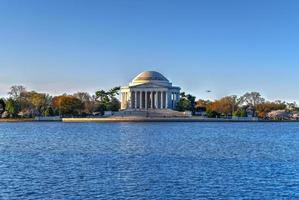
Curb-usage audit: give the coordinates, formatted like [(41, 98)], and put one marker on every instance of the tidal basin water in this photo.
[(149, 161)]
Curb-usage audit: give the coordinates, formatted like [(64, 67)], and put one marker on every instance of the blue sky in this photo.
[(229, 47)]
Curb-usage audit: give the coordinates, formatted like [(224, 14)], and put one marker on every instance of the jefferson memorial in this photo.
[(149, 90)]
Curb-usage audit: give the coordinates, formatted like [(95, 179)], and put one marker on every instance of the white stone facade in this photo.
[(149, 90)]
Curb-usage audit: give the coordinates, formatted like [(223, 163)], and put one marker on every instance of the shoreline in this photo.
[(193, 119), (124, 119), (17, 120)]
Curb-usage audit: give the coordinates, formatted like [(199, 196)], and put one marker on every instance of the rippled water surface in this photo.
[(149, 161)]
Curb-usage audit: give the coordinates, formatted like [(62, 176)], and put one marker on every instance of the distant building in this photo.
[(149, 90)]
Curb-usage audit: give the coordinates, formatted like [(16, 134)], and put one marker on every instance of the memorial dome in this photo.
[(149, 76)]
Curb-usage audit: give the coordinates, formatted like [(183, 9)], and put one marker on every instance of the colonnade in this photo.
[(153, 99)]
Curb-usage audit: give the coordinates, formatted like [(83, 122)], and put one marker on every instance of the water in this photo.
[(149, 161)]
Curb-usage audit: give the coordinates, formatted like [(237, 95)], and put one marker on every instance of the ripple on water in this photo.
[(149, 160)]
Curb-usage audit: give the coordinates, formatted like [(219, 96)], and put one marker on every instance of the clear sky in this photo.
[(229, 47)]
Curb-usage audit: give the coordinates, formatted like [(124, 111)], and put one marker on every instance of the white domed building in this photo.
[(149, 90)]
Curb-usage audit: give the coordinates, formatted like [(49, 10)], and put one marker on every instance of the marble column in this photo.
[(159, 100), (131, 99), (160, 95), (135, 100), (174, 100), (140, 99), (156, 99), (162, 100), (145, 99), (152, 99), (126, 99), (122, 101), (166, 99), (171, 100)]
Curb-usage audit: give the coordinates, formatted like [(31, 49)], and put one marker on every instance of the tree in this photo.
[(17, 93), (225, 106), (192, 102), (270, 106), (11, 107), (67, 105), (183, 94), (212, 114), (107, 100), (113, 92), (2, 106), (92, 106), (292, 106), (183, 104), (49, 112), (102, 96), (240, 112), (82, 96), (88, 102), (264, 108), (39, 102), (201, 105), (252, 99), (186, 102), (114, 104)]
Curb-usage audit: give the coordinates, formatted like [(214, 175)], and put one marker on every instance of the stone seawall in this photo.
[(17, 120), (146, 119)]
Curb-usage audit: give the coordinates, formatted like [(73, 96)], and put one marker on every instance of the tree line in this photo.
[(251, 103), (23, 103)]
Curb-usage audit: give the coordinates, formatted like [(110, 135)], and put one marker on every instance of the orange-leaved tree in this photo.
[(67, 105)]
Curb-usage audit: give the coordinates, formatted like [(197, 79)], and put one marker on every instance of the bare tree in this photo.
[(83, 96), (18, 94), (252, 99), (16, 91)]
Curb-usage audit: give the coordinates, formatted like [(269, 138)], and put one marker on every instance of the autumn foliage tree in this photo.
[(67, 105), (201, 105), (224, 106), (23, 103), (264, 108), (38, 102)]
